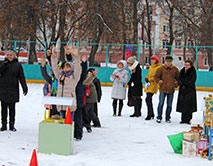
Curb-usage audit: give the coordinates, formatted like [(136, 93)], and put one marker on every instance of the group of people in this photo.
[(164, 78), (72, 78)]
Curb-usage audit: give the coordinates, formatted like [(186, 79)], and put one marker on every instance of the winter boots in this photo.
[(11, 127), (4, 126)]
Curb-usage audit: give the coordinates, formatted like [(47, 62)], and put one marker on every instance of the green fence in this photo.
[(110, 53)]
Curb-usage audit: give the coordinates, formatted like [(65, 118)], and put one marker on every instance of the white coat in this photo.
[(119, 83)]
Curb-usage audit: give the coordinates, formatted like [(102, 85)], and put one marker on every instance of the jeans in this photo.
[(161, 103), (63, 114)]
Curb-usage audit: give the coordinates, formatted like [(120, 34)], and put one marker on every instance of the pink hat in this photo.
[(155, 57)]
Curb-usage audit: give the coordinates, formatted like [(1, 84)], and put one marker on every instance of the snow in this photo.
[(121, 141)]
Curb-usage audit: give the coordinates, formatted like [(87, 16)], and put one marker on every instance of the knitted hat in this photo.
[(168, 58), (11, 52), (131, 60), (155, 58)]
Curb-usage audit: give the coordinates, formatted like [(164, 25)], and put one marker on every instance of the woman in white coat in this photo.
[(119, 77)]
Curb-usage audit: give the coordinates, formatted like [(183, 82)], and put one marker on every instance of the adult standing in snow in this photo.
[(135, 85), (187, 100), (11, 72), (67, 79), (166, 77), (120, 77), (153, 87)]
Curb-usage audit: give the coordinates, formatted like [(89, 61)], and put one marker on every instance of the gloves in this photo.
[(146, 80), (25, 92)]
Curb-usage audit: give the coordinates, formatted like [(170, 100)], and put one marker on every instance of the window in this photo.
[(205, 61), (165, 28), (146, 59), (177, 43), (165, 42), (163, 60), (166, 11), (150, 10)]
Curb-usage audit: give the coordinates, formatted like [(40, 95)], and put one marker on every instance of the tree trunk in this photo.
[(62, 24), (149, 29), (135, 26), (171, 35), (96, 38)]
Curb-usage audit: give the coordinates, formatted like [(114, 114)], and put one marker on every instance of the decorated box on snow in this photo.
[(189, 148), (202, 144)]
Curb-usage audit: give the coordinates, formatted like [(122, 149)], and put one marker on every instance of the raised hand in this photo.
[(43, 62), (75, 51), (53, 50), (67, 50), (48, 52)]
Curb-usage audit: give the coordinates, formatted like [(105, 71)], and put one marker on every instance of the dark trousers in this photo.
[(149, 105), (96, 109), (186, 117), (12, 111), (137, 102), (114, 105), (54, 111), (90, 116), (78, 130)]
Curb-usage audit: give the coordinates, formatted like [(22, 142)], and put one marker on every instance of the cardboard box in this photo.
[(189, 148), (188, 136), (55, 138)]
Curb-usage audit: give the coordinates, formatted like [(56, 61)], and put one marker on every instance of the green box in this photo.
[(55, 138)]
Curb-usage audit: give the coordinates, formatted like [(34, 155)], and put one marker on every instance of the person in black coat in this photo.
[(135, 86), (187, 100), (97, 84), (11, 72)]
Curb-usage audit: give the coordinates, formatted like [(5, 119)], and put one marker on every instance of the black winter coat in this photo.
[(80, 88), (97, 83), (10, 75), (135, 83), (187, 100)]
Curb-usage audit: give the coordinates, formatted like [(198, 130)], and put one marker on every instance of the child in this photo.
[(120, 77), (91, 98)]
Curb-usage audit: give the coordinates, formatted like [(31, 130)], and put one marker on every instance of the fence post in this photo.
[(107, 55), (196, 57), (15, 45), (45, 50), (139, 47)]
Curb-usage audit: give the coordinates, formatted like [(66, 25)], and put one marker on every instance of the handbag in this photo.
[(130, 101)]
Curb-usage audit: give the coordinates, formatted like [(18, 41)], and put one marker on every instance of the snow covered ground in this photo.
[(122, 141)]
